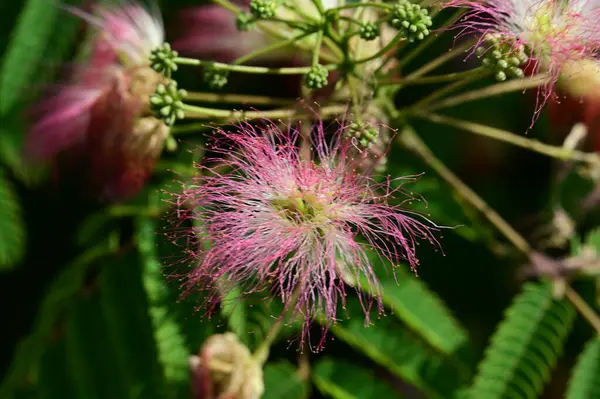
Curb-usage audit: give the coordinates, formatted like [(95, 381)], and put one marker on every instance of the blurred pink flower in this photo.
[(555, 33), (101, 115), (210, 32), (276, 213)]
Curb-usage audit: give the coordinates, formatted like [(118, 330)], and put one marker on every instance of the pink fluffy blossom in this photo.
[(273, 213), (555, 33), (101, 115)]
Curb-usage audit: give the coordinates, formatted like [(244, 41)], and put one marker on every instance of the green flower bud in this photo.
[(502, 57), (368, 31), (166, 102), (363, 133), (244, 22), (162, 59), (316, 78), (264, 9), (410, 19), (215, 78)]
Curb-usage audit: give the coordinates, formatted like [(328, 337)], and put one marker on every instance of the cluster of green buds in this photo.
[(316, 78), (503, 57), (410, 19), (244, 22), (166, 103), (364, 133), (214, 77), (369, 31), (162, 59), (264, 9)]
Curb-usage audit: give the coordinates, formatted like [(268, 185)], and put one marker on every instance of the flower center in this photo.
[(300, 207)]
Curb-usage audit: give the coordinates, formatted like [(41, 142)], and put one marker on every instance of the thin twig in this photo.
[(561, 153), (412, 142), (491, 91)]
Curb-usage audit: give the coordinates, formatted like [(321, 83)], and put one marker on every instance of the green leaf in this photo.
[(390, 344), (233, 308), (92, 358), (11, 153), (54, 377), (57, 302), (593, 239), (124, 306), (524, 349), (12, 230), (172, 350), (341, 379), (421, 309), (282, 381), (585, 381), (26, 48)]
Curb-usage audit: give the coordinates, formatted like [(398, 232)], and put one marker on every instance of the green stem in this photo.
[(583, 308), (132, 210), (357, 5), (449, 89), (228, 5), (237, 99), (442, 59), (449, 77), (388, 47), (271, 47), (354, 96), (319, 5), (262, 352), (491, 91), (250, 69), (511, 138), (317, 49), (404, 60), (413, 143), (194, 112)]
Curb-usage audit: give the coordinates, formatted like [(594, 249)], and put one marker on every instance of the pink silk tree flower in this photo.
[(101, 115), (554, 33), (274, 213)]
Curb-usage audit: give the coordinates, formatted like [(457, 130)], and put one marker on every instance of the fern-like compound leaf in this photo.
[(525, 347), (585, 381)]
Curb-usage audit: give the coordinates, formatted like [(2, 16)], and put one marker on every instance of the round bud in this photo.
[(410, 19), (263, 9), (368, 31), (214, 77), (166, 102), (316, 78)]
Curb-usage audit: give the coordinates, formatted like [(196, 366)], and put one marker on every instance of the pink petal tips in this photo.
[(274, 214), (554, 33)]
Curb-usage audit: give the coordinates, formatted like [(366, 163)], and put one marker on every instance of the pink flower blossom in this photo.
[(101, 114), (555, 33), (275, 213)]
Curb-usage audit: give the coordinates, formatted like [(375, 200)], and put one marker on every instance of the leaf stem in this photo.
[(250, 69), (491, 91), (449, 77), (413, 143), (194, 112), (449, 89), (584, 309), (561, 153), (428, 41), (262, 352), (237, 98)]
